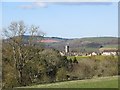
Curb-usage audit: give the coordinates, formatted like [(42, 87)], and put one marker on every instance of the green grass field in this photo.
[(98, 57), (78, 57), (103, 82)]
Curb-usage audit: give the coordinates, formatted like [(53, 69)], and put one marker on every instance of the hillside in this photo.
[(88, 44)]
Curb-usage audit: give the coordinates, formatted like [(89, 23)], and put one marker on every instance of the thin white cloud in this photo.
[(85, 3), (60, 0), (77, 0), (40, 4), (34, 5), (26, 6)]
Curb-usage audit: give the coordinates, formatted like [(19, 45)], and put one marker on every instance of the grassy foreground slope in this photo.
[(103, 82)]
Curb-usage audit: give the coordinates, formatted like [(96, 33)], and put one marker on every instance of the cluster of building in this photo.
[(109, 51), (102, 51)]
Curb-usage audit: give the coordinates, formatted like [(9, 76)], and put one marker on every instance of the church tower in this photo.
[(66, 49)]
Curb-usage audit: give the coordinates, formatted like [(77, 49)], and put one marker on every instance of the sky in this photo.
[(65, 19)]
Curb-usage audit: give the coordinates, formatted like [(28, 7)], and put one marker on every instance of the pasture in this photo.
[(102, 82), (97, 57), (78, 57)]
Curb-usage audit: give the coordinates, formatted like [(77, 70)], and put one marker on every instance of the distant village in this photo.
[(102, 51)]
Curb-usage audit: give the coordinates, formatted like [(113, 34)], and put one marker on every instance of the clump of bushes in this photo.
[(95, 67), (61, 74), (41, 66)]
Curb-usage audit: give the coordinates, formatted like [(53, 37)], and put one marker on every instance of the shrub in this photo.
[(94, 66), (107, 68), (84, 69), (9, 79), (61, 74)]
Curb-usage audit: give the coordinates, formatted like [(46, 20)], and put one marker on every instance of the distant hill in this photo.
[(88, 44)]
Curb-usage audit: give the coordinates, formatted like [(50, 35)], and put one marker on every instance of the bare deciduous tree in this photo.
[(15, 33)]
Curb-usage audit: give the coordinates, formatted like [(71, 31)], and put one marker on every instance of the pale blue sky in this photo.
[(68, 20)]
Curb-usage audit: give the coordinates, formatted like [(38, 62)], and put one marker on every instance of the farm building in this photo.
[(109, 51), (93, 54)]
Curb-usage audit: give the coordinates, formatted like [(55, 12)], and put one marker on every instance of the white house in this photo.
[(62, 54), (108, 51), (92, 54)]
